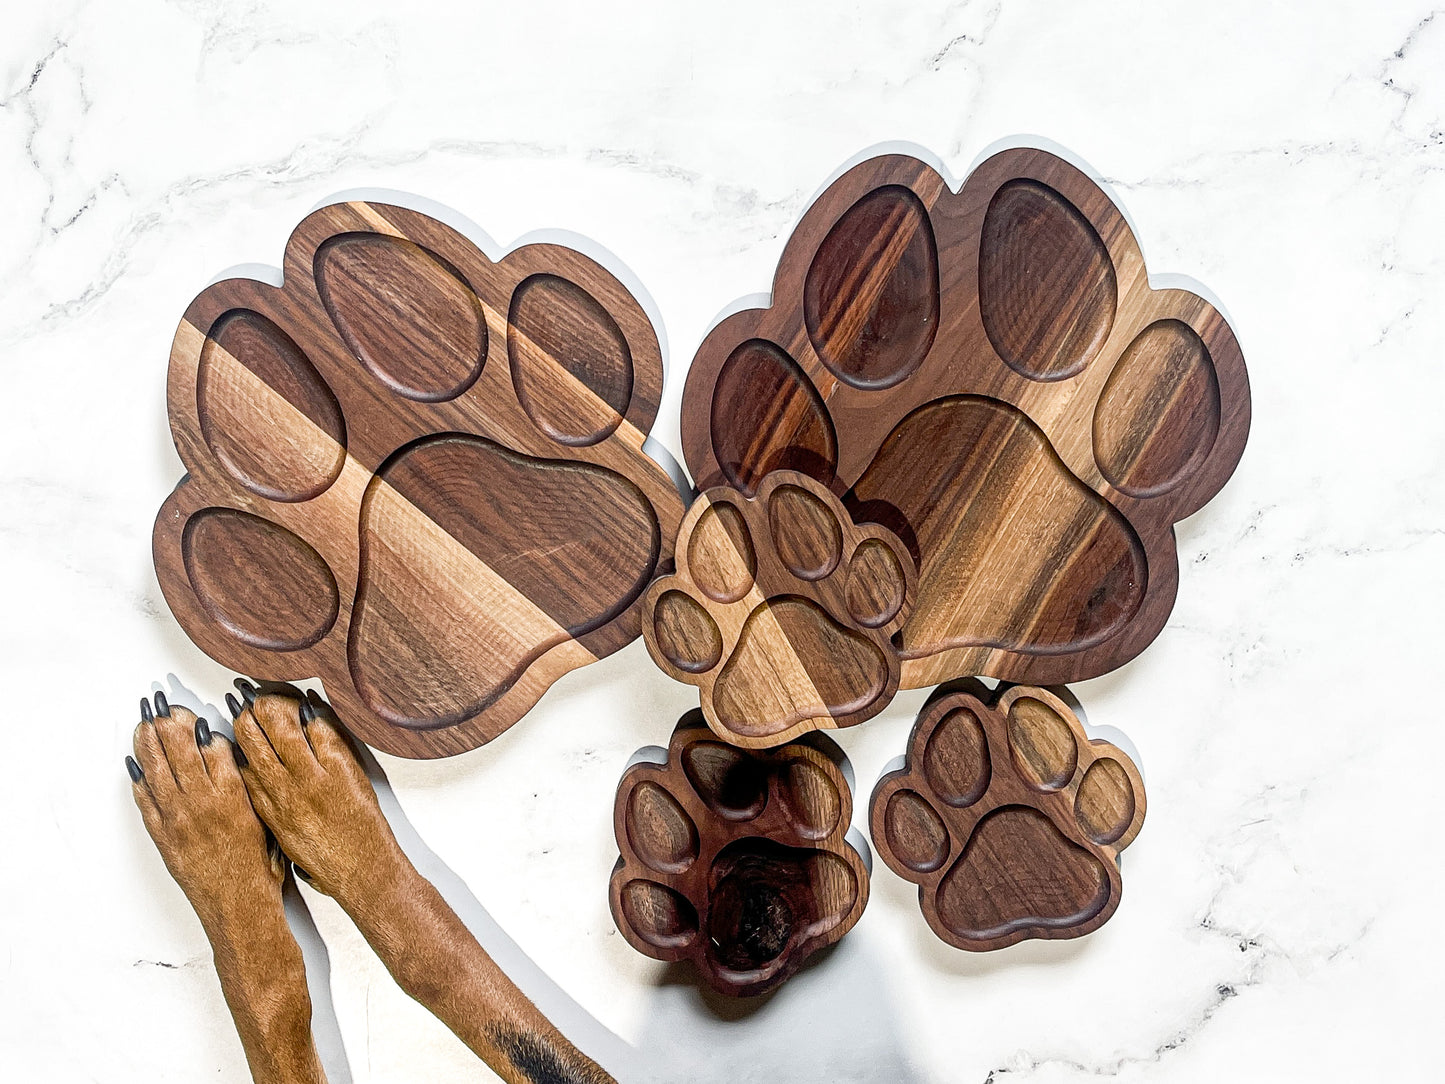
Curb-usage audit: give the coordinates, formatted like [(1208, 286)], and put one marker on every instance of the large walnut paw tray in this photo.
[(1007, 817), (989, 375), (736, 860), (415, 473), (780, 611)]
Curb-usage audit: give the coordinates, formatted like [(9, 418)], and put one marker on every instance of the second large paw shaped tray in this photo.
[(1008, 817), (415, 473), (989, 375), (735, 860)]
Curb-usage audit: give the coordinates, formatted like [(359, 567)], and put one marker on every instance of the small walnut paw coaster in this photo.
[(780, 611), (989, 374), (736, 860), (416, 473), (1007, 817)]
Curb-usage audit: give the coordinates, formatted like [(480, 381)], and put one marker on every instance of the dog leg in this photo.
[(309, 788), (187, 785)]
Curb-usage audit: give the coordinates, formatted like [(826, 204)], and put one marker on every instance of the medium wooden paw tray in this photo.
[(780, 611), (415, 473), (736, 860), (1007, 817), (989, 375)]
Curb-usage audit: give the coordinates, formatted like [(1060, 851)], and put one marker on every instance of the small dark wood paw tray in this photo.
[(415, 473), (1007, 817), (736, 860), (989, 375), (780, 611)]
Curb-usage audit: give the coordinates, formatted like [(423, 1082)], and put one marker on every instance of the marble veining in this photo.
[(1279, 909)]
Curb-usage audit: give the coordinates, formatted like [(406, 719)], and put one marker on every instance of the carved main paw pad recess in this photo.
[(416, 473), (989, 375), (1008, 818), (736, 860), (781, 611)]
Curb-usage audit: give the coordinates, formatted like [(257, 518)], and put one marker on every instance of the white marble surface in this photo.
[(1277, 922)]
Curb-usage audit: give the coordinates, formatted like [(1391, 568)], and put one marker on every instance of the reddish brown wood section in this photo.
[(781, 611), (1007, 817), (415, 473), (736, 860), (989, 375)]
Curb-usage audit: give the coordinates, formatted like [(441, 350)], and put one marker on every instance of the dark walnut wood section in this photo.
[(780, 611), (988, 374), (736, 860), (1007, 817), (415, 473)]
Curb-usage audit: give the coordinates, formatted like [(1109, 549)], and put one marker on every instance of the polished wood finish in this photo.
[(415, 473), (780, 611), (1008, 817), (736, 860), (989, 375)]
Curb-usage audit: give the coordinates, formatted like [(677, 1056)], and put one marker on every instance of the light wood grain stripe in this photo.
[(516, 616), (558, 377)]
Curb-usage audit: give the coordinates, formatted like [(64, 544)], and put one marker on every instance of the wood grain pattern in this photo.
[(736, 860), (989, 375), (780, 611), (415, 473), (1008, 817)]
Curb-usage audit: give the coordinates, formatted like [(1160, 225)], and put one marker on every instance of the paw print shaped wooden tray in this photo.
[(415, 473), (989, 375), (736, 860), (1008, 817), (798, 600)]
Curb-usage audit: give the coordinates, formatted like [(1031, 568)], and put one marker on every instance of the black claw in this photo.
[(322, 708), (203, 732), (241, 760), (145, 711), (247, 690), (233, 705), (308, 712), (163, 706), (133, 769)]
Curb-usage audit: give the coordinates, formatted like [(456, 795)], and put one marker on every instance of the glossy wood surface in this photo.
[(415, 473), (734, 860), (1008, 817), (780, 611), (988, 374)]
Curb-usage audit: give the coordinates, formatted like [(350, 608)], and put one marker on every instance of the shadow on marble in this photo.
[(570, 1018)]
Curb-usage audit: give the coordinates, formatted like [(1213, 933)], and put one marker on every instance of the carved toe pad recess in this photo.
[(781, 611), (415, 473), (1007, 817), (988, 374), (736, 860)]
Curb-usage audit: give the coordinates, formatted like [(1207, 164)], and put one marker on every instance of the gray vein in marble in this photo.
[(1387, 78), (237, 29), (1259, 957), (166, 965), (317, 160), (974, 38)]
